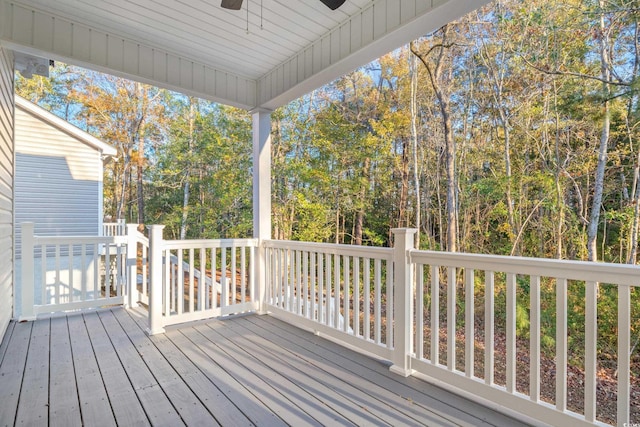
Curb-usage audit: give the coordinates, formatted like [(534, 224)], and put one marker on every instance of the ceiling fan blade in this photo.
[(333, 4), (231, 4)]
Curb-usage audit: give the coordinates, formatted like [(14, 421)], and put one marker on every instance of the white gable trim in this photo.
[(64, 126)]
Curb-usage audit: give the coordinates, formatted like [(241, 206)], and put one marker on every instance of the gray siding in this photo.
[(6, 188), (58, 184)]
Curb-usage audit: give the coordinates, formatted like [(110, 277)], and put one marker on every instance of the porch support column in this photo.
[(403, 285), (261, 195)]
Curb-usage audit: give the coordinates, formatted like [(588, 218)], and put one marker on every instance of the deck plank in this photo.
[(33, 408), (295, 391), (64, 408), (223, 409), (269, 395), (190, 408), (458, 410), (126, 407), (387, 408), (390, 407), (94, 403), (251, 407), (12, 371), (100, 368), (155, 403)]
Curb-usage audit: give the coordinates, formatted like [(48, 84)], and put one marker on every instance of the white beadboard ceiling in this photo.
[(287, 47)]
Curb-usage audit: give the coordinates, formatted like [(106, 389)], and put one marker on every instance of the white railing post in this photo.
[(402, 301), (155, 280), (28, 266), (131, 297)]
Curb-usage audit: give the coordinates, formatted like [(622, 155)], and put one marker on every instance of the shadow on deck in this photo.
[(99, 368)]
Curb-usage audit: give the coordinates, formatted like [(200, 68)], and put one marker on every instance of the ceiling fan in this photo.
[(237, 4)]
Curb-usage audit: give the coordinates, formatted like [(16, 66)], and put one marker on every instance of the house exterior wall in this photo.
[(6, 188), (58, 181)]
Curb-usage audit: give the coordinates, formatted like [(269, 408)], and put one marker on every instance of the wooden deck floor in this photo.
[(100, 369)]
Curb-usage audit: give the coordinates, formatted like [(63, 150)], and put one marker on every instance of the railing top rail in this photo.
[(208, 243), (77, 240), (623, 274), (333, 248)]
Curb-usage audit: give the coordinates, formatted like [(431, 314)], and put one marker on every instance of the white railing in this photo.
[(446, 316), (199, 279), (70, 273), (449, 307), (114, 229), (338, 290), (458, 295)]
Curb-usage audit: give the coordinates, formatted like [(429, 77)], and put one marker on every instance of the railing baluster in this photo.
[(451, 318), (356, 295), (488, 327), (377, 301), (96, 271), (145, 264), (624, 350), (180, 278), (312, 289), (298, 283), (70, 273), (202, 282), (561, 344), (224, 297), (107, 272), (419, 302), (346, 304), (252, 277), (43, 272), (83, 274), (389, 304), (336, 291), (469, 326), (243, 275), (511, 333), (435, 314), (321, 292), (57, 275), (306, 302), (328, 291), (233, 270), (167, 281), (173, 280), (192, 268), (534, 338), (590, 349), (366, 289)]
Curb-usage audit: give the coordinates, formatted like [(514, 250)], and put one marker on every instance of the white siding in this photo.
[(6, 188), (58, 183)]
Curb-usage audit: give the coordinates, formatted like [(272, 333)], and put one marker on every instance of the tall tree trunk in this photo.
[(635, 188), (140, 160), (558, 174), (413, 68), (594, 220), (359, 220), (404, 185), (187, 177), (435, 76)]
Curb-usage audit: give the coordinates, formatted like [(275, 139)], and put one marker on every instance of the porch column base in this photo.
[(151, 332), (399, 370), (26, 318)]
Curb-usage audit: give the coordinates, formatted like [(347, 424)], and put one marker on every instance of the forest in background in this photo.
[(513, 130)]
